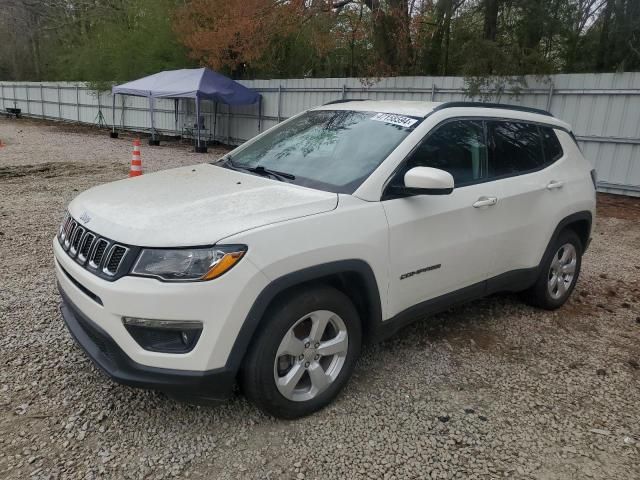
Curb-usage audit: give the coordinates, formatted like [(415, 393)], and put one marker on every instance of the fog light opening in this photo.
[(165, 336)]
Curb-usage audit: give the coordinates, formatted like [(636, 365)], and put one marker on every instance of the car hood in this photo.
[(196, 205)]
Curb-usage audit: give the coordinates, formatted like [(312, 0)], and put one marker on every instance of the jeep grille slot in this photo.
[(63, 227), (70, 230), (75, 240), (114, 259), (99, 255), (85, 246)]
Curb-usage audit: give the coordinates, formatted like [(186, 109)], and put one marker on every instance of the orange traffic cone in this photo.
[(136, 161)]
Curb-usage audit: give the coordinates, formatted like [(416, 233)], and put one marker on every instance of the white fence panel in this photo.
[(604, 110)]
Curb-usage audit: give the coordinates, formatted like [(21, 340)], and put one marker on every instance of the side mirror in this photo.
[(426, 181)]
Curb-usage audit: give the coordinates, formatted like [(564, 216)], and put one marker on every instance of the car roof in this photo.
[(402, 107), (422, 109)]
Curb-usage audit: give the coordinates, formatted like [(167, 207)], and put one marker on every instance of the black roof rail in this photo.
[(344, 100), (518, 108)]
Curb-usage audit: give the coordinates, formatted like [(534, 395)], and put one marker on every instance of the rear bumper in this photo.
[(212, 385)]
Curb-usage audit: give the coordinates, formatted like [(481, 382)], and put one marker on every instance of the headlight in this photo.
[(188, 264)]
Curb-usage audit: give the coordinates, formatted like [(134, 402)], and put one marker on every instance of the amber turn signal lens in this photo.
[(223, 265)]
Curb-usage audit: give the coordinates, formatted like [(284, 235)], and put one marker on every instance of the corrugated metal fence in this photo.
[(604, 110)]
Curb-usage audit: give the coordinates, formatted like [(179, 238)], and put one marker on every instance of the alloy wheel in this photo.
[(562, 271), (311, 355)]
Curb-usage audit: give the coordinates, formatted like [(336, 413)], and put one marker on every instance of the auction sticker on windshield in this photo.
[(394, 119)]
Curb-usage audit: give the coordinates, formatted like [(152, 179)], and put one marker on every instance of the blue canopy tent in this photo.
[(196, 83)]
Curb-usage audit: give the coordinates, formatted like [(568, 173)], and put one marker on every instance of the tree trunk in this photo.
[(447, 38), (490, 20), (602, 62), (391, 36), (35, 48), (434, 52), (533, 26)]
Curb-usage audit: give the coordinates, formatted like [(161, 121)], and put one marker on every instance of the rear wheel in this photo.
[(304, 353), (558, 273)]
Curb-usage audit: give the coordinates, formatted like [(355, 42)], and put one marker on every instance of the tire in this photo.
[(546, 293), (285, 349)]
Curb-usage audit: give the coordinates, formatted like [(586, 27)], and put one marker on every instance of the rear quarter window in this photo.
[(551, 145), (514, 148)]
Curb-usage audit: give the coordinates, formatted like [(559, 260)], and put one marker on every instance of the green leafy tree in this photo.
[(134, 40), (493, 43)]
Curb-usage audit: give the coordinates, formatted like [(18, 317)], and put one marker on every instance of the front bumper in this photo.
[(111, 359), (221, 305)]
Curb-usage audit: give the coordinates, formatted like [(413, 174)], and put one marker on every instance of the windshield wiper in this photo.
[(260, 170)]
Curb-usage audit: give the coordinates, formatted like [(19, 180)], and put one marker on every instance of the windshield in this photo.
[(332, 150)]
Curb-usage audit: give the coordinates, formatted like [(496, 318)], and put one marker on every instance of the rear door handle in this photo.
[(553, 184), (485, 202)]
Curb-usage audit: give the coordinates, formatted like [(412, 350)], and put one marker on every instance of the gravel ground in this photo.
[(491, 389)]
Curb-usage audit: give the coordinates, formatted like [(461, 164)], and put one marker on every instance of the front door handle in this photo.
[(485, 202), (553, 184)]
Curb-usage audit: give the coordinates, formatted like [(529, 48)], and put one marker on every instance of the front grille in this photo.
[(76, 238), (116, 254), (71, 227), (99, 255), (85, 248)]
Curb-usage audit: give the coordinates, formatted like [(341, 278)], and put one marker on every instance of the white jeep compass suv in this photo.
[(271, 266)]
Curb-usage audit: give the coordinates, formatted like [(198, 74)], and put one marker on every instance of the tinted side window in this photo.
[(514, 148), (551, 144), (457, 147)]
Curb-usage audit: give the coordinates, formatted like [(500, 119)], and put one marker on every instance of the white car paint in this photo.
[(445, 230), (427, 177), (288, 228), (196, 205)]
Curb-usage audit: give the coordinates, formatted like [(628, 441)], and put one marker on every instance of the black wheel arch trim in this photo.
[(293, 279), (582, 216)]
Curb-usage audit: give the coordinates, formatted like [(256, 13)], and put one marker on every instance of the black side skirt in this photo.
[(514, 281)]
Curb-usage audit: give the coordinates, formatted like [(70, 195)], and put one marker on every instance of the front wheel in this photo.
[(304, 354), (558, 273)]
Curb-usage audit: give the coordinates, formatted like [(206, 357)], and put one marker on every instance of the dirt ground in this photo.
[(492, 389)]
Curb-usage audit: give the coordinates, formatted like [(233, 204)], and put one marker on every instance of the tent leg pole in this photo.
[(113, 133), (175, 108), (199, 148), (153, 140), (215, 119)]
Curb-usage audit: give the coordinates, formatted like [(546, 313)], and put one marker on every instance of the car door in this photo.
[(525, 162), (439, 244)]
